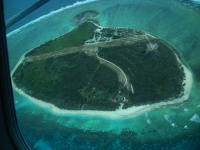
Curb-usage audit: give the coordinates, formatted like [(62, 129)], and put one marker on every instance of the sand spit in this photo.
[(119, 113)]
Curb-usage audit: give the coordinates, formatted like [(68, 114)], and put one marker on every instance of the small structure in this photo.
[(151, 47)]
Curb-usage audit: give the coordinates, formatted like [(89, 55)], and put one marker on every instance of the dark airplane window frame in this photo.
[(10, 135)]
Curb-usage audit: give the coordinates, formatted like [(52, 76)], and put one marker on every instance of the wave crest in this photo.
[(48, 15)]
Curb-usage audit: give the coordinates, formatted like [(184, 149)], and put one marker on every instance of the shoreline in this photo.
[(119, 113)]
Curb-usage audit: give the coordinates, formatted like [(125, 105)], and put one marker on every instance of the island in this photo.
[(88, 15), (103, 69)]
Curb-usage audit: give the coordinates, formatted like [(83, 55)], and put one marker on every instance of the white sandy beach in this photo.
[(119, 113)]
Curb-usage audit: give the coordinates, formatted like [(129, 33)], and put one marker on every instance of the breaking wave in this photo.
[(48, 15)]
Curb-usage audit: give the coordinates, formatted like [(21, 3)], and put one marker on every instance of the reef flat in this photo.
[(101, 68), (88, 15)]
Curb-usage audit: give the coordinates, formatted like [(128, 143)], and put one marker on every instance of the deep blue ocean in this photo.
[(175, 21), (13, 7)]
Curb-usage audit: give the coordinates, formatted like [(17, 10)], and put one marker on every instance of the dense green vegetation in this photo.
[(76, 37), (63, 81), (77, 80), (155, 75)]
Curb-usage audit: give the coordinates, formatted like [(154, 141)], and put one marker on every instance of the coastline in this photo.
[(119, 113)]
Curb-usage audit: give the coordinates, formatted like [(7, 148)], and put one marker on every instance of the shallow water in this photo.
[(168, 127)]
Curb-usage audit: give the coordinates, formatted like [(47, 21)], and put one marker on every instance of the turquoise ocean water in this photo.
[(177, 22)]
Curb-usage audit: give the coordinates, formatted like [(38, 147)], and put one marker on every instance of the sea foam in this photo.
[(48, 15)]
